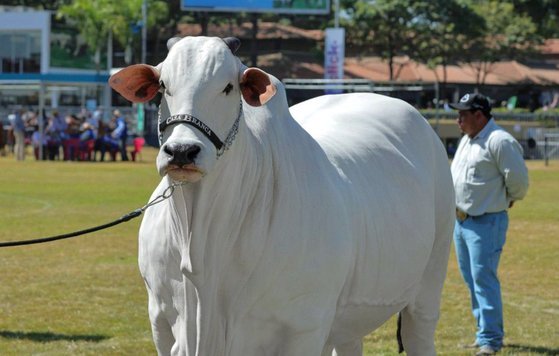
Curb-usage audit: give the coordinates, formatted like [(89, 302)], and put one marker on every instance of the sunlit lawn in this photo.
[(529, 273), (85, 296)]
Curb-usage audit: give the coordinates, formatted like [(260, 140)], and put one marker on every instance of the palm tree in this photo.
[(91, 18), (95, 19)]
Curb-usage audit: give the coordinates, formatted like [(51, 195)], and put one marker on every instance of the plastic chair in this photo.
[(138, 144), (71, 149), (86, 150)]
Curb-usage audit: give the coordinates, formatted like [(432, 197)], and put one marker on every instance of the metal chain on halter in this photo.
[(167, 193), (232, 133)]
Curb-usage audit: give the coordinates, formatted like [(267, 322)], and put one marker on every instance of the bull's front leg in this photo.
[(161, 329), (159, 262), (168, 313)]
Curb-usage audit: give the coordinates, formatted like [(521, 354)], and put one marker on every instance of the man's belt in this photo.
[(461, 215)]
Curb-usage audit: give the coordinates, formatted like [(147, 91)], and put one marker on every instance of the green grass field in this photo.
[(85, 296)]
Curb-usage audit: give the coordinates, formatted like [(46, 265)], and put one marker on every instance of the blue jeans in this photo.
[(479, 242)]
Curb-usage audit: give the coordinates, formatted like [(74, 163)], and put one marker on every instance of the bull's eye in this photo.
[(162, 86), (228, 88), (157, 99)]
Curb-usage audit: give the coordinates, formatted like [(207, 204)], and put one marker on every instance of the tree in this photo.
[(508, 34), (96, 18), (444, 30), (382, 27), (37, 4), (544, 14), (128, 20), (91, 17)]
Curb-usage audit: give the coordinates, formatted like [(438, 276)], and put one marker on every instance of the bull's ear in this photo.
[(138, 83), (256, 86)]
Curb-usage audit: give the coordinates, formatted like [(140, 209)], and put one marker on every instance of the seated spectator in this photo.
[(87, 141), (54, 139), (38, 140), (110, 144), (105, 142), (87, 132), (72, 142)]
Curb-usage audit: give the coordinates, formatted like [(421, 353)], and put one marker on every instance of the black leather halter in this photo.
[(188, 119), (191, 120)]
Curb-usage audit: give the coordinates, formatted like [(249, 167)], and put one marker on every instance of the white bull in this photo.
[(288, 237)]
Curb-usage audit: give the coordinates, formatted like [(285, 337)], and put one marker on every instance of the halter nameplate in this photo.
[(192, 121), (188, 119)]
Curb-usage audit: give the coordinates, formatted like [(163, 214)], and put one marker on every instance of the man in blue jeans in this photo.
[(489, 175)]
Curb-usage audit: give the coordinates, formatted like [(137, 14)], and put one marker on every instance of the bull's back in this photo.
[(391, 161)]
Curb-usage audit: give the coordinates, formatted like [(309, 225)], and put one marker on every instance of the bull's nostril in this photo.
[(168, 150), (192, 152), (181, 154)]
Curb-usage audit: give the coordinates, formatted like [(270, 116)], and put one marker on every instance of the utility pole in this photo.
[(108, 92), (144, 29), (336, 13)]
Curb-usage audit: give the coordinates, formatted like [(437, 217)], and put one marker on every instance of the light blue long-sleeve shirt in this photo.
[(120, 129), (18, 123), (488, 171)]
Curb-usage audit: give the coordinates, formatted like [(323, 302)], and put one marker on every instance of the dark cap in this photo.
[(472, 101)]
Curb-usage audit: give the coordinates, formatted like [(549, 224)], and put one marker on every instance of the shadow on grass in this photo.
[(49, 336), (538, 350)]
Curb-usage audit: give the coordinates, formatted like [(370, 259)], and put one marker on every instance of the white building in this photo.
[(40, 67)]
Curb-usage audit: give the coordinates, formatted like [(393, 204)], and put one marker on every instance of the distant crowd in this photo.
[(84, 136)]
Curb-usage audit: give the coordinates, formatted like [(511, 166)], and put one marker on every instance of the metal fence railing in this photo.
[(538, 142), (542, 143)]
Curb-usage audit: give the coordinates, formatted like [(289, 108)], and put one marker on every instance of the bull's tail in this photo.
[(399, 334)]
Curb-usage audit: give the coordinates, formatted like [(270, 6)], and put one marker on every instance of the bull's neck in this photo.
[(221, 205), (225, 210)]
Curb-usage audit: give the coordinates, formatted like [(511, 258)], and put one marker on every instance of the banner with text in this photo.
[(321, 7), (334, 53)]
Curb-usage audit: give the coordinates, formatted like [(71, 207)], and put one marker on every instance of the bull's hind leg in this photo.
[(354, 348), (420, 317), (418, 332)]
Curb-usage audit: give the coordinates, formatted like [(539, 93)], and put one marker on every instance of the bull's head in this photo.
[(202, 83)]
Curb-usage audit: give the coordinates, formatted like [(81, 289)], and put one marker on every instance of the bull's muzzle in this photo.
[(181, 154)]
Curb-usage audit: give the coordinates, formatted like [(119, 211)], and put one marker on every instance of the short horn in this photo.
[(171, 42), (233, 43)]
